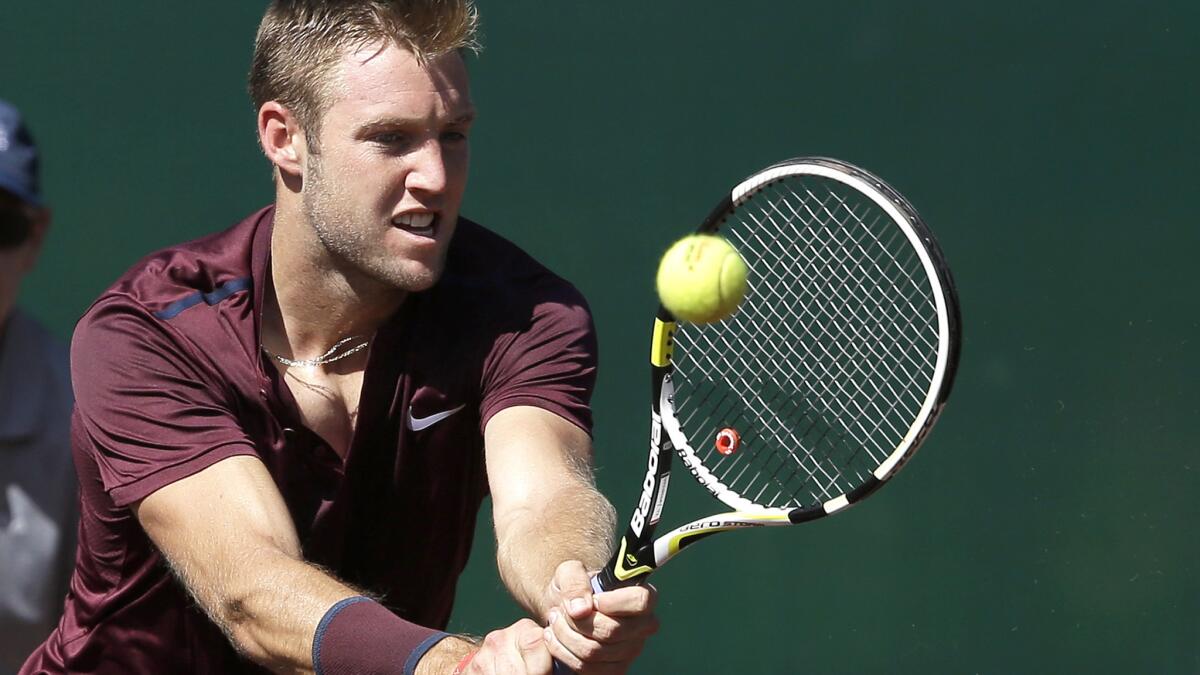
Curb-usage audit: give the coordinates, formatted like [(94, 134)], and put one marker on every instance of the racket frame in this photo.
[(638, 554)]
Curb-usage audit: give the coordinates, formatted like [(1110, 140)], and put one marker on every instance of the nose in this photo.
[(427, 173)]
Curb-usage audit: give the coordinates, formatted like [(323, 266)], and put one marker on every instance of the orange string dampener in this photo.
[(727, 441)]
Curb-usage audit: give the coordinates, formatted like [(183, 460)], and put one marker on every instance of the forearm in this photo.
[(227, 534), (445, 655), (575, 522), (269, 606)]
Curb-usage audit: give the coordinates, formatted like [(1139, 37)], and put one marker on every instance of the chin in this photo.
[(412, 278), (420, 284)]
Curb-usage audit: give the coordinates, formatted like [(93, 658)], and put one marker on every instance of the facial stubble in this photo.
[(347, 234)]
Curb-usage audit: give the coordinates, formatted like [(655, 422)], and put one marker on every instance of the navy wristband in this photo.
[(358, 636)]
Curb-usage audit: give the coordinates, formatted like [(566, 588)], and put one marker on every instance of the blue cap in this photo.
[(18, 157)]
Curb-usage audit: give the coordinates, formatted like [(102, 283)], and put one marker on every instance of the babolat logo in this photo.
[(693, 464), (638, 521)]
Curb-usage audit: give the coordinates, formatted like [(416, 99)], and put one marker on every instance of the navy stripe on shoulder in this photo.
[(211, 298)]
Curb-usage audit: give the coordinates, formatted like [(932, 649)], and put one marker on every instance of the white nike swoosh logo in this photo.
[(418, 423)]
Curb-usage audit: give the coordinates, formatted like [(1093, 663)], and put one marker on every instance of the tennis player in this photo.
[(284, 430)]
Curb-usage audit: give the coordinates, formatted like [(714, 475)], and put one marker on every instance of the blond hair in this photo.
[(300, 41)]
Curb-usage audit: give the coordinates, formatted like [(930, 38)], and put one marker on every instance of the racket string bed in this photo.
[(840, 313), (825, 381)]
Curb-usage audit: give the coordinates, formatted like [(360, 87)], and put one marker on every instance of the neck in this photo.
[(314, 301)]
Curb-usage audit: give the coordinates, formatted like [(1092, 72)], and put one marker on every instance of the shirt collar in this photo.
[(260, 263)]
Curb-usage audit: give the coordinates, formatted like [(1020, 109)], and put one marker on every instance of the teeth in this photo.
[(414, 221)]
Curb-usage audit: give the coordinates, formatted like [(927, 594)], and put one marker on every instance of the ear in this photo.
[(281, 138)]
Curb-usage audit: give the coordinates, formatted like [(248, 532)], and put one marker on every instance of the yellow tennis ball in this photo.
[(701, 279)]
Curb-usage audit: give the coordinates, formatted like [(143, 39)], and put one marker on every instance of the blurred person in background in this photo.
[(37, 477)]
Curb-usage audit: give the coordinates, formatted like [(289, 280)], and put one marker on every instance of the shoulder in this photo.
[(170, 280), (497, 279), (165, 285), (186, 310)]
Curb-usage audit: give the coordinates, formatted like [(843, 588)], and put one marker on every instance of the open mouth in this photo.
[(419, 224)]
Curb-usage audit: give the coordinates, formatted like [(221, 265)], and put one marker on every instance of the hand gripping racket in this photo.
[(824, 382)]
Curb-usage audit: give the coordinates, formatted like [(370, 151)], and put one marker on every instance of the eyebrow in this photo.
[(466, 117)]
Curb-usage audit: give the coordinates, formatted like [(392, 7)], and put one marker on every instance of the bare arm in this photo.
[(227, 534), (553, 530), (545, 503)]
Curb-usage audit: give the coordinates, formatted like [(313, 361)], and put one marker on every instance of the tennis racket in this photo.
[(824, 382)]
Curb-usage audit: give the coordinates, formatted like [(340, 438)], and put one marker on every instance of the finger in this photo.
[(619, 641), (574, 584), (534, 652), (608, 629), (513, 651), (559, 652), (628, 601)]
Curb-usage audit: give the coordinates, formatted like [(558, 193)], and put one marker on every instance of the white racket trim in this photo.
[(669, 544)]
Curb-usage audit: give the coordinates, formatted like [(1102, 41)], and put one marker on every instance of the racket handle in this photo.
[(605, 580)]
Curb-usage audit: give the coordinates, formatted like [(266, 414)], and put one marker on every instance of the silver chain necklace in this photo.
[(327, 357)]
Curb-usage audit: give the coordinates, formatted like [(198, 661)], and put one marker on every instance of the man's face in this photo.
[(384, 188)]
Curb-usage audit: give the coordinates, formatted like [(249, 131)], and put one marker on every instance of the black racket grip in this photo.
[(605, 580)]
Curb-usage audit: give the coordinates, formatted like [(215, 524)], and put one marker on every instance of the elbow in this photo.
[(232, 614), (246, 609)]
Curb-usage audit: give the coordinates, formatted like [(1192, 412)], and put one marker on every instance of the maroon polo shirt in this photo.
[(169, 379)]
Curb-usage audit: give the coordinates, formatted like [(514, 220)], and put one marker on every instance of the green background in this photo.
[(1049, 523)]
